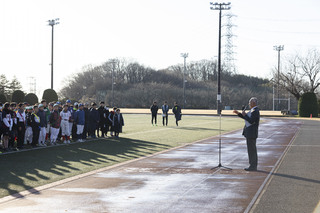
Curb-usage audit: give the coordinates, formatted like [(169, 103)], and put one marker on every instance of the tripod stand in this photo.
[(220, 165)]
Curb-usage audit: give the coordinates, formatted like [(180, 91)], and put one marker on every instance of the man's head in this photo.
[(44, 103), (154, 103), (253, 102), (65, 107), (102, 103), (35, 109), (165, 103), (41, 107), (81, 106)]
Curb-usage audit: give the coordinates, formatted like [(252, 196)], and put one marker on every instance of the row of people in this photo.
[(176, 110), (41, 124)]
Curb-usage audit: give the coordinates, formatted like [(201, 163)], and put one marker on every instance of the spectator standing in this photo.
[(165, 111), (176, 110), (102, 120), (21, 126), (86, 124), (13, 109), (94, 119), (110, 118), (35, 125), (80, 122), (65, 115), (28, 133), (154, 111), (118, 123), (7, 124), (43, 125), (55, 121), (107, 122)]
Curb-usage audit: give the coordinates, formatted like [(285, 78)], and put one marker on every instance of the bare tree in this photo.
[(300, 74)]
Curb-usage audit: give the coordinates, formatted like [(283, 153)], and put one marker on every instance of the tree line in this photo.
[(136, 85)]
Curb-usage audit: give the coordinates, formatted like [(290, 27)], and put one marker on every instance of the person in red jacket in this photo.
[(55, 121)]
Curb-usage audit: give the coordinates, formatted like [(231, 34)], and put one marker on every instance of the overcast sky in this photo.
[(151, 32)]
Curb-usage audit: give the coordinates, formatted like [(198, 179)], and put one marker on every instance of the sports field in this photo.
[(24, 170)]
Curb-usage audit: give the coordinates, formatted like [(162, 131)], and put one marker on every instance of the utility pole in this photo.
[(52, 23), (219, 6), (278, 48), (184, 55)]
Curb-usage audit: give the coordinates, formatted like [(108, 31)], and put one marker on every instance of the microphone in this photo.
[(244, 107)]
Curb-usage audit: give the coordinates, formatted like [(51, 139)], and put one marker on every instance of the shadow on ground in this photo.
[(24, 170)]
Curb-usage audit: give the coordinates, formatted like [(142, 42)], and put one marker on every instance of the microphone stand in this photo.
[(220, 164)]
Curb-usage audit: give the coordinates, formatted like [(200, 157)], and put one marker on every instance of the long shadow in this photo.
[(25, 170), (291, 177), (198, 128)]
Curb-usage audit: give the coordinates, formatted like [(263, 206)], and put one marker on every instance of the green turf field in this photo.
[(24, 170)]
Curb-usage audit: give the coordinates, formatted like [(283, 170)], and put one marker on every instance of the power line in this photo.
[(279, 20)]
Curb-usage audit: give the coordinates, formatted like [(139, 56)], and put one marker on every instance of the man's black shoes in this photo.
[(250, 169)]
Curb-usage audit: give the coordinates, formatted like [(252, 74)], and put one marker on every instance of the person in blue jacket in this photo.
[(94, 119), (79, 118)]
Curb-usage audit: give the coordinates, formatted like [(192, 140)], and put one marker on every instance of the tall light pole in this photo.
[(52, 23), (184, 55), (219, 6), (278, 48), (113, 61)]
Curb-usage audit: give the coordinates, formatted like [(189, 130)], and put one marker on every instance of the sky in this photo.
[(151, 32)]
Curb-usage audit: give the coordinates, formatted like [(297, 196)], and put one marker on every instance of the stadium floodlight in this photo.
[(52, 23), (278, 48), (184, 55)]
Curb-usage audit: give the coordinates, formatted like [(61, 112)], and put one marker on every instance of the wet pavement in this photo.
[(180, 180)]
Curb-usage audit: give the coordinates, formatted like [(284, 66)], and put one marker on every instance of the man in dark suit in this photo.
[(250, 131)]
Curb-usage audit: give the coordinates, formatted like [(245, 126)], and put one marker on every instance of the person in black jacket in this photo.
[(250, 132), (176, 110), (94, 119), (102, 120), (118, 123), (35, 124), (86, 124), (154, 111)]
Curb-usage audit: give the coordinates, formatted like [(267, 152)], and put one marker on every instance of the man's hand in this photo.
[(235, 112), (244, 113)]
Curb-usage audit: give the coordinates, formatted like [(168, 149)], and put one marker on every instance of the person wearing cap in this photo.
[(47, 111), (7, 122), (65, 117), (94, 119), (43, 125), (80, 121), (28, 133), (21, 125), (55, 121), (35, 124), (71, 120), (102, 121)]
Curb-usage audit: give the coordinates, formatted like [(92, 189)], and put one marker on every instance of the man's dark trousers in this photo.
[(252, 152)]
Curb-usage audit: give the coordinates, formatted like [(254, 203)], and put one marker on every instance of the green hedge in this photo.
[(308, 104), (50, 95)]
